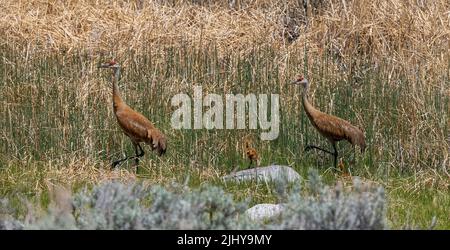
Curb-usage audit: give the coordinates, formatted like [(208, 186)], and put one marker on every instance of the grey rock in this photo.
[(264, 211), (267, 174)]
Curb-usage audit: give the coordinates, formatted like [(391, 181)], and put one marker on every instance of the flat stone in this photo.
[(267, 174), (262, 212)]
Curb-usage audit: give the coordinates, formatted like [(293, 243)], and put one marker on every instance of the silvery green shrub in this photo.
[(114, 205), (323, 207), (207, 208), (7, 222), (119, 206)]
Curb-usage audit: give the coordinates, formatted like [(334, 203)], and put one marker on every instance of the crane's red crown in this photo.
[(110, 64)]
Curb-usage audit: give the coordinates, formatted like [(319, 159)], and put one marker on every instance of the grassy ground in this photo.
[(58, 128)]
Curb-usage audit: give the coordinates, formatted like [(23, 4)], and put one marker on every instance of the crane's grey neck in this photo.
[(117, 100), (116, 73), (305, 90), (309, 109), (116, 78)]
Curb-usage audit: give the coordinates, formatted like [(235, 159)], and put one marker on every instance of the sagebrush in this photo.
[(114, 205)]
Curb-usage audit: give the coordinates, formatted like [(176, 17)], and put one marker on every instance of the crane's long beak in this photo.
[(294, 82), (103, 65)]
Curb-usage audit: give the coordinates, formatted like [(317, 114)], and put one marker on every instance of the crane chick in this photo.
[(251, 153), (133, 124), (342, 169), (331, 127)]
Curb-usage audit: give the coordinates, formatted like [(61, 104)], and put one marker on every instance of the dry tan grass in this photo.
[(72, 171), (122, 27), (87, 171), (409, 32), (69, 172), (422, 180)]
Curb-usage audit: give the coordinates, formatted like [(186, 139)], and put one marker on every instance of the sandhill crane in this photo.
[(134, 124), (341, 167), (251, 153), (331, 127)]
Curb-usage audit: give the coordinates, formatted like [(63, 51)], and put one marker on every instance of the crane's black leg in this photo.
[(115, 163), (142, 151), (354, 155), (137, 148), (335, 156), (136, 157), (309, 147)]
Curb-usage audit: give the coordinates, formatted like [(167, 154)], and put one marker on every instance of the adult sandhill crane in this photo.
[(251, 153), (134, 124), (331, 127)]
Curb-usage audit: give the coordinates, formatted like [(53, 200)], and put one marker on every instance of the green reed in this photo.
[(54, 105)]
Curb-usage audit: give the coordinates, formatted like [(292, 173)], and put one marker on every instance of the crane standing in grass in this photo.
[(331, 127), (134, 125)]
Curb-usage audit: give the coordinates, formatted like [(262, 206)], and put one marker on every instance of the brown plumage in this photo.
[(134, 124), (331, 127), (341, 167), (251, 153)]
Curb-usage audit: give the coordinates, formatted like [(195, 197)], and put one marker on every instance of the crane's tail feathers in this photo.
[(157, 142), (356, 137), (363, 146), (162, 146), (361, 141)]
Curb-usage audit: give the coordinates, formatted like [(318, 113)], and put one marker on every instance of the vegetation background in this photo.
[(384, 65)]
